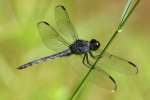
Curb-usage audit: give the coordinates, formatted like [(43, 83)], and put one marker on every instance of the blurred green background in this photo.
[(56, 79)]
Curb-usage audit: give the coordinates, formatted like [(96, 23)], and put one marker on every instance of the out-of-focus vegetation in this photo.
[(56, 79)]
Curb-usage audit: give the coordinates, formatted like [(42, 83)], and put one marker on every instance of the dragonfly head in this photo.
[(94, 44)]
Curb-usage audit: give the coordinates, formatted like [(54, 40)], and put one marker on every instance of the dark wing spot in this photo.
[(61, 7), (115, 83), (43, 22), (131, 63)]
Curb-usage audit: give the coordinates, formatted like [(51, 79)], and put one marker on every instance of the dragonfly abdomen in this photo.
[(66, 52)]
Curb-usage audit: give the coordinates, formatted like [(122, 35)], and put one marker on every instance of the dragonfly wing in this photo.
[(51, 37), (117, 63), (64, 24), (102, 80)]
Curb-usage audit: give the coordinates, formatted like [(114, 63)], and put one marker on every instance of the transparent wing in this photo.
[(103, 80), (112, 62), (64, 24), (51, 37)]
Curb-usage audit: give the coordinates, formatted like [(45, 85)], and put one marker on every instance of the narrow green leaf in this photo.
[(129, 8)]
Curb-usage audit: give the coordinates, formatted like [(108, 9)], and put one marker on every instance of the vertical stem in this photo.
[(126, 14)]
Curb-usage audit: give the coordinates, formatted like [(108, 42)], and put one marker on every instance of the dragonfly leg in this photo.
[(87, 60), (91, 54), (83, 60)]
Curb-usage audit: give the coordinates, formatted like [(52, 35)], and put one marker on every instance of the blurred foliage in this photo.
[(56, 80)]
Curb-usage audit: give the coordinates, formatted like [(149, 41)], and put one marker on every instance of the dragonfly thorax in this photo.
[(80, 47)]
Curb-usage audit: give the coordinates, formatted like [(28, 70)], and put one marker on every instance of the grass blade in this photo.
[(129, 8)]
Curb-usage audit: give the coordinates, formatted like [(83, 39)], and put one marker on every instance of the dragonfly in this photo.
[(65, 42)]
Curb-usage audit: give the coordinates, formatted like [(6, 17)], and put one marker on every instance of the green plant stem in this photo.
[(124, 19)]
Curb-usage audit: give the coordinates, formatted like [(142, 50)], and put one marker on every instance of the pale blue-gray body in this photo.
[(78, 47)]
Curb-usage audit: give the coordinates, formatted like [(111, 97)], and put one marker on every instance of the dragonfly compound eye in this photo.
[(94, 44)]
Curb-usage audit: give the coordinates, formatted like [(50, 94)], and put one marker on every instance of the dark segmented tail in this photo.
[(66, 52)]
